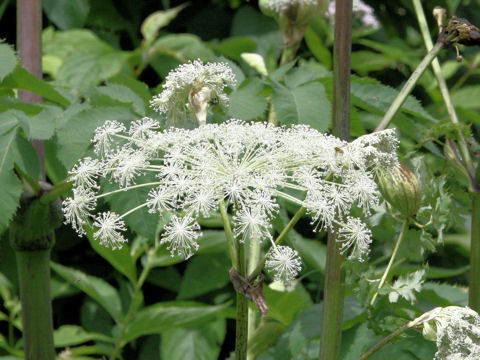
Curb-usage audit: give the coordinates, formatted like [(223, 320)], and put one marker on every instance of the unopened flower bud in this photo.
[(399, 186)]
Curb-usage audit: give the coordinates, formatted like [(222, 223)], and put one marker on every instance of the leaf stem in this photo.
[(232, 248), (407, 88), (241, 331), (384, 342), (392, 259)]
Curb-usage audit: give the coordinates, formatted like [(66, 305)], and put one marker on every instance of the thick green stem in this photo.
[(408, 87), (241, 331), (253, 260), (333, 289), (34, 279), (474, 286), (442, 84), (392, 259), (232, 248)]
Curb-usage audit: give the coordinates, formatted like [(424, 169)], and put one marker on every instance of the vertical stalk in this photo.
[(333, 290), (34, 280), (392, 259), (474, 286), (29, 46), (253, 260), (241, 333)]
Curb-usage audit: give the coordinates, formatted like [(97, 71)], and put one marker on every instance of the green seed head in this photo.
[(399, 186)]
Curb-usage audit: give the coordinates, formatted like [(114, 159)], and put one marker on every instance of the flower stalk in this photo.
[(392, 259), (333, 290)]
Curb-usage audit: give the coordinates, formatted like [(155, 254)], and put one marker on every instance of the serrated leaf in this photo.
[(74, 137), (246, 102), (264, 337), (378, 97), (283, 306), (318, 48), (190, 46), (157, 20), (307, 104), (99, 290), (449, 294), (40, 126), (140, 88), (165, 316), (66, 14), (8, 60), (67, 335), (200, 342), (204, 274), (9, 197), (405, 286)]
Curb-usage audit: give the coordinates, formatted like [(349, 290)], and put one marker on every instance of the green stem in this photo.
[(132, 309), (241, 331), (442, 84), (384, 342), (253, 260), (229, 234), (56, 192), (392, 259), (34, 280), (408, 87), (300, 212), (30, 181), (333, 288), (474, 286)]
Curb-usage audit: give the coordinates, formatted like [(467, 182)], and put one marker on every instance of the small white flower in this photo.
[(160, 200), (143, 129), (195, 84), (284, 5), (181, 234), (109, 226), (202, 202), (126, 165), (284, 262), (251, 224), (104, 136), (85, 173), (77, 209), (355, 234)]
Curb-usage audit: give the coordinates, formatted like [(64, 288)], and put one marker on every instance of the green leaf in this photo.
[(157, 20), (26, 157), (67, 335), (264, 337), (75, 135), (165, 316), (40, 126), (234, 46), (318, 49), (9, 197), (200, 342), (450, 295), (98, 289), (140, 88), (405, 286), (120, 259), (204, 273), (283, 306), (66, 14), (121, 93), (189, 46), (246, 102), (8, 60), (307, 104), (365, 61), (467, 97), (377, 98), (23, 80), (313, 252)]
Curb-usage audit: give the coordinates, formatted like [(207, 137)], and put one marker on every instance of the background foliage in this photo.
[(105, 59)]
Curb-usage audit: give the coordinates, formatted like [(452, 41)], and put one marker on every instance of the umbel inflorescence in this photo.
[(247, 167)]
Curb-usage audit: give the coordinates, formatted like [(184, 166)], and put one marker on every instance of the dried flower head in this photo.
[(191, 87), (456, 330)]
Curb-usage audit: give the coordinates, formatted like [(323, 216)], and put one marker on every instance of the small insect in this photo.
[(214, 101)]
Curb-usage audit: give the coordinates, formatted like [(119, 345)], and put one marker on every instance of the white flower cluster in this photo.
[(284, 5), (194, 84), (456, 330), (247, 165), (361, 11)]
